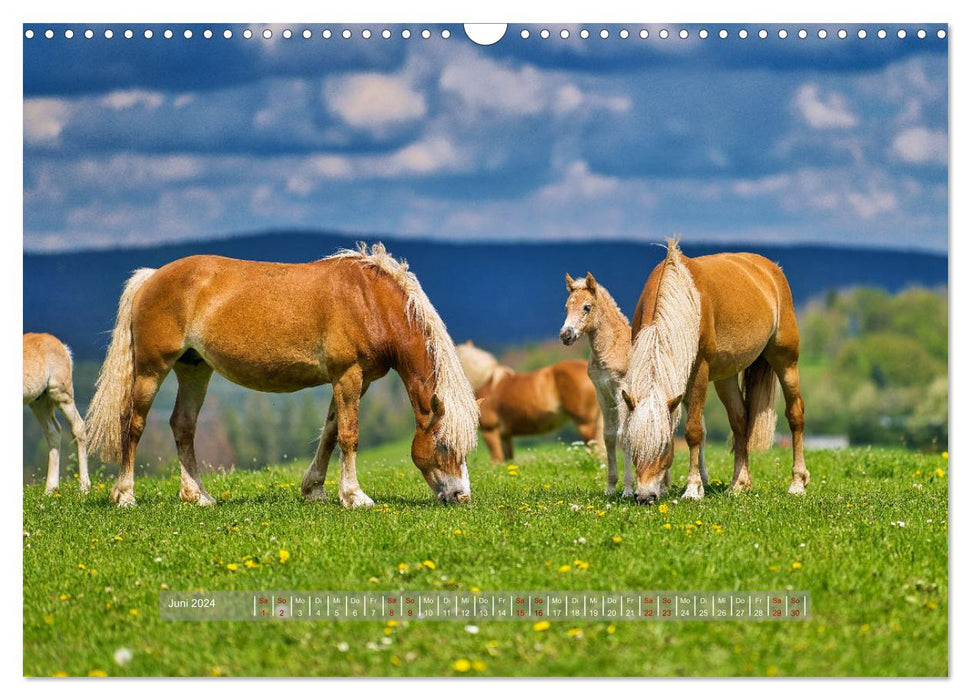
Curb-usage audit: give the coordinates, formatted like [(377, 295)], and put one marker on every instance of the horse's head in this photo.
[(581, 308), (649, 439), (443, 467)]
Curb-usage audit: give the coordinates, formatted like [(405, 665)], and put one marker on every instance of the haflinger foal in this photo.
[(592, 311), (717, 318), (48, 385), (531, 403), (345, 320)]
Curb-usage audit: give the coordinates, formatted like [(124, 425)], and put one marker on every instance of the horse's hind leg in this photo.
[(795, 409), (144, 389), (347, 397), (64, 399), (312, 486), (507, 448), (193, 379), (730, 393), (43, 409)]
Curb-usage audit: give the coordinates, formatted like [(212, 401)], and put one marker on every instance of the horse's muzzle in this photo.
[(568, 335), (456, 495)]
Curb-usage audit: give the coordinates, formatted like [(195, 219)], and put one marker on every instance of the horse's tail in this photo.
[(758, 392), (112, 400)]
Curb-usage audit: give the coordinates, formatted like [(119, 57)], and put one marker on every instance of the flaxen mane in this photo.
[(661, 359), (458, 426)]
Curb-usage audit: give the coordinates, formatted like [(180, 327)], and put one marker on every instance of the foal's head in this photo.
[(442, 465), (582, 312)]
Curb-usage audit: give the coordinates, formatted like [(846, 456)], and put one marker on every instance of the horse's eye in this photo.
[(586, 308)]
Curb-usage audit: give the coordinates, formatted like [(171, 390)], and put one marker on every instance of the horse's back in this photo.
[(575, 389)]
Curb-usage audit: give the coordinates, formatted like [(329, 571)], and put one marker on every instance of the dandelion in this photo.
[(428, 564), (939, 472), (133, 612), (616, 539), (226, 495), (478, 665), (394, 661), (576, 633), (250, 564), (944, 454), (796, 565), (666, 526), (475, 589), (402, 568), (97, 673), (60, 674), (232, 567), (117, 538), (64, 597), (462, 665), (284, 556), (123, 656), (611, 629), (662, 509), (374, 579), (580, 564), (458, 531), (82, 567), (564, 569), (49, 619), (541, 626)]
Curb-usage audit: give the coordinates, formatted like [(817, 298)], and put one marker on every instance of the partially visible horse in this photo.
[(718, 318), (591, 310), (48, 384), (345, 320), (531, 403)]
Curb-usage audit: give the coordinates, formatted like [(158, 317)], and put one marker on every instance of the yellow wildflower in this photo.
[(284, 556), (402, 568), (563, 569), (49, 619), (541, 626), (226, 495), (59, 674), (478, 665), (666, 526), (395, 661), (944, 454), (373, 579), (462, 665), (133, 612), (611, 629), (64, 597), (617, 539), (82, 567), (939, 472), (232, 567), (391, 623), (796, 565), (97, 673), (429, 564), (575, 632), (662, 509)]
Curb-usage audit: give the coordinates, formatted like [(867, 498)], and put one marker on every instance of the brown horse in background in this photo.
[(531, 403), (718, 318), (48, 385), (345, 320)]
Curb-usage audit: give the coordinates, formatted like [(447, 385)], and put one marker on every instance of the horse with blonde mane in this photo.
[(345, 320), (717, 318), (530, 403), (48, 385)]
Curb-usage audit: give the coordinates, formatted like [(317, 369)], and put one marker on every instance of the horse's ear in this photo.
[(438, 408), (569, 282), (674, 403), (479, 401), (591, 282), (628, 399)]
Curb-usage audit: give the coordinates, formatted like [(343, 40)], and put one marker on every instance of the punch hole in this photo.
[(723, 34), (882, 34), (663, 33), (187, 33), (763, 34), (29, 34), (446, 34), (584, 33), (69, 34), (326, 34), (109, 34), (604, 33), (287, 34), (644, 34), (386, 34), (683, 34), (564, 33), (743, 34), (366, 34), (405, 33), (247, 33), (129, 33), (545, 34), (426, 34), (524, 34), (703, 33), (486, 34), (167, 33), (821, 34), (841, 33), (623, 33), (783, 33), (941, 34)]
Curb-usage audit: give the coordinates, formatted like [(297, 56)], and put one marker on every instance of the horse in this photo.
[(344, 320), (531, 403), (591, 310), (48, 384), (726, 318)]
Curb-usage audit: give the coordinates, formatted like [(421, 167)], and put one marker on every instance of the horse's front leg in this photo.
[(694, 431), (312, 486), (347, 398)]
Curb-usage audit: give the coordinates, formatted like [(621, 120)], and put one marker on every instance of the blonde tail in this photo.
[(112, 396), (758, 392)]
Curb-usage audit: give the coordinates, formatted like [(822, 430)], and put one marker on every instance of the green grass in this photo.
[(92, 572)]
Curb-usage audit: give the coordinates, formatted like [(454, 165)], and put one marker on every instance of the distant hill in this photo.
[(494, 293)]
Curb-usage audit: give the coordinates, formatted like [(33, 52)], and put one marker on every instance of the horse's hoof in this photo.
[(123, 499), (628, 492), (797, 488), (356, 499), (316, 495), (610, 490), (205, 499), (85, 487), (695, 492), (50, 490)]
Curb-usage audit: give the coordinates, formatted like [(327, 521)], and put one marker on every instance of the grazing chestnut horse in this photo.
[(592, 311), (48, 384), (716, 318), (345, 320), (530, 403)]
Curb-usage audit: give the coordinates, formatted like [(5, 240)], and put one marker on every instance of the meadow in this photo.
[(869, 540)]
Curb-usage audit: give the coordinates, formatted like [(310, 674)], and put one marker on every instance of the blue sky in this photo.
[(138, 141)]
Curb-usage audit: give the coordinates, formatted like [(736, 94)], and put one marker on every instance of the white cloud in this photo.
[(374, 101), (490, 87), (578, 184), (869, 205), (44, 120), (127, 99), (824, 111), (761, 186), (920, 145)]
